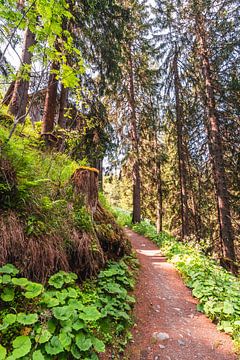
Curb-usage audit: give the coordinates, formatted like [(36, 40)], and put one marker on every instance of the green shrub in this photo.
[(122, 217)]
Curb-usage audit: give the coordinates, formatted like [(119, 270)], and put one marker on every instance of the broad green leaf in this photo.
[(9, 269), (43, 337), (3, 352), (20, 281), (90, 313), (37, 355), (98, 345), (54, 347), (62, 313), (83, 342), (27, 319), (8, 294), (65, 340), (21, 346), (52, 324), (228, 307), (78, 325), (61, 278), (33, 290), (76, 352), (76, 304), (6, 279), (72, 293), (9, 319)]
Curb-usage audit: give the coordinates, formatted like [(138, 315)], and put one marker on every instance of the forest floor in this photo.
[(167, 323)]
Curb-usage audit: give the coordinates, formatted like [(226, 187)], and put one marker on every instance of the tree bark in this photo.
[(215, 149), (8, 96), (135, 143), (18, 104), (62, 106), (85, 181), (181, 152), (50, 104), (159, 198)]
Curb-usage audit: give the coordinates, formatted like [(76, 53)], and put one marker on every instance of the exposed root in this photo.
[(85, 255)]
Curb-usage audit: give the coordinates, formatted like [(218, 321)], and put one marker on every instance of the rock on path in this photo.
[(168, 325)]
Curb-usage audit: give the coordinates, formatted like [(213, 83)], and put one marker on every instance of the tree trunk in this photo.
[(159, 198), (50, 105), (135, 144), (181, 151), (62, 106), (8, 96), (85, 182), (18, 104), (215, 149)]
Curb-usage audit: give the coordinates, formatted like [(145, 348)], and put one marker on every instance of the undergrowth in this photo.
[(217, 290), (63, 320)]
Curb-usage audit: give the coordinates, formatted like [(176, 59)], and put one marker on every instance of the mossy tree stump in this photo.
[(85, 183)]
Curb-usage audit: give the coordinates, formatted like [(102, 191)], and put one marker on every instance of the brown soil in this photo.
[(165, 305)]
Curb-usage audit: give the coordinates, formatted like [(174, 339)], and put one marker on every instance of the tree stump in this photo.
[(85, 182)]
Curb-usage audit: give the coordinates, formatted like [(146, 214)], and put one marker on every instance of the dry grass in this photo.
[(40, 257)]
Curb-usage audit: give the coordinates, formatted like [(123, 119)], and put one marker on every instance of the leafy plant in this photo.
[(63, 319)]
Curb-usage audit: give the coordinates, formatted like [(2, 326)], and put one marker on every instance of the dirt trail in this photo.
[(165, 306)]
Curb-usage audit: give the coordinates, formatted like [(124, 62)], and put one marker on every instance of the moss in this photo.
[(89, 169)]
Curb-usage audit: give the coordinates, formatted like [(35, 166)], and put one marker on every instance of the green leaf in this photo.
[(9, 269), (43, 337), (61, 278), (226, 326), (62, 313), (228, 307), (76, 352), (72, 293), (78, 325), (22, 346), (27, 319), (52, 324), (20, 281), (83, 342), (33, 290), (65, 340), (6, 279), (9, 319), (98, 345), (37, 355), (3, 352), (54, 347), (8, 294), (90, 313)]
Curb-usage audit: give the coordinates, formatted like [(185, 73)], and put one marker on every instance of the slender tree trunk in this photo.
[(215, 149), (62, 106), (159, 198), (50, 105), (196, 215), (181, 152), (8, 96), (18, 104), (135, 142)]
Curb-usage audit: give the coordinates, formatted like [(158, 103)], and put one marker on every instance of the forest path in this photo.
[(165, 306)]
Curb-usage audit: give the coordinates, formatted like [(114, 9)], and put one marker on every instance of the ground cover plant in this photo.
[(62, 320), (217, 290)]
